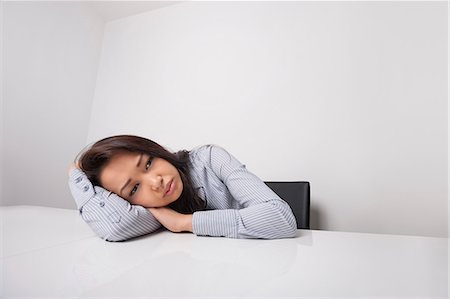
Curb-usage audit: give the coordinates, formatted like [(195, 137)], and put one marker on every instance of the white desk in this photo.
[(50, 252)]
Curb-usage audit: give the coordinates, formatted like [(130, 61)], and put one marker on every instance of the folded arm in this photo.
[(111, 217), (264, 214)]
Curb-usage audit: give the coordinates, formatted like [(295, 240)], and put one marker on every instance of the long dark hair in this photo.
[(99, 154)]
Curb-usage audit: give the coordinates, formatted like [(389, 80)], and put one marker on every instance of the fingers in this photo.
[(73, 166), (153, 211), (167, 217)]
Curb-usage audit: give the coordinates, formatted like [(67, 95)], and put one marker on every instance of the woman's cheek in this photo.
[(144, 200)]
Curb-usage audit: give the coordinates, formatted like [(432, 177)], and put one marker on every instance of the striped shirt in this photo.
[(240, 205)]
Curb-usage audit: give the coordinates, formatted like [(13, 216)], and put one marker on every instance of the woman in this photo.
[(127, 186)]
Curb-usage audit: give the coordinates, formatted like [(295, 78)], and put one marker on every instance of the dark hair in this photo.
[(99, 154)]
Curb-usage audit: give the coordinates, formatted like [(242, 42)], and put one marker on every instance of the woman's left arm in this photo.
[(264, 214)]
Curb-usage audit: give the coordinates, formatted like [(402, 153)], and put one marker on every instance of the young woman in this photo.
[(127, 186)]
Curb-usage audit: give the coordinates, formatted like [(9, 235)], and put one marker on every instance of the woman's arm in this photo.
[(264, 214), (111, 217)]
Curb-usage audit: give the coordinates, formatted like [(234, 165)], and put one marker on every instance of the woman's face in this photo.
[(142, 180)]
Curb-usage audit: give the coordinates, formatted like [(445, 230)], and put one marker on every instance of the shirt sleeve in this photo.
[(264, 214), (111, 217)]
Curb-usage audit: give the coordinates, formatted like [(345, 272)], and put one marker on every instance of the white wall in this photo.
[(50, 62), (2, 117), (1, 146), (350, 96)]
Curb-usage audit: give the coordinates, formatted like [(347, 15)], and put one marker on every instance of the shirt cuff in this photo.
[(216, 223), (81, 188)]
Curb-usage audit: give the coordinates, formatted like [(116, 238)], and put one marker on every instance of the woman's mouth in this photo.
[(170, 187)]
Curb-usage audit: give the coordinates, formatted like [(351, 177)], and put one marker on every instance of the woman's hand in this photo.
[(73, 165), (172, 220)]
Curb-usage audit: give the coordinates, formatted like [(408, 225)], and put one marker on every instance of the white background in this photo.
[(350, 96)]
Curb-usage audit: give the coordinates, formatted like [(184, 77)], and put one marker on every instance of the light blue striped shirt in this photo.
[(242, 205)]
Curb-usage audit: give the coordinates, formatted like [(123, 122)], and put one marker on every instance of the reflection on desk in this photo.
[(54, 254)]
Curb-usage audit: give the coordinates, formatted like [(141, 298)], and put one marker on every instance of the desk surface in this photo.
[(49, 252)]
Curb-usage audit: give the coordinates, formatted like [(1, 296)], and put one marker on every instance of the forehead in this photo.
[(118, 169), (123, 158)]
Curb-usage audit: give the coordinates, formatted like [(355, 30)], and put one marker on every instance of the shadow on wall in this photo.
[(315, 221)]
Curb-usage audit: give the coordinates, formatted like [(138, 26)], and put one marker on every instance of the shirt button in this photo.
[(77, 180), (102, 203), (86, 188)]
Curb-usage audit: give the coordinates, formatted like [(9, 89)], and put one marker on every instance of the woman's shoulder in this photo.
[(206, 150), (201, 151)]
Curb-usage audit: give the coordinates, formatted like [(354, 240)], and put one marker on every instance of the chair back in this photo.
[(296, 194)]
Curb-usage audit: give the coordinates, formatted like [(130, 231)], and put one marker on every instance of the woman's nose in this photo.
[(156, 182)]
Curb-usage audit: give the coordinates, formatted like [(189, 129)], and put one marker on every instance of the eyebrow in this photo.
[(128, 181)]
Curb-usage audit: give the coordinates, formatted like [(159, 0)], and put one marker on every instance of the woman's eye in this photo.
[(134, 189), (148, 163)]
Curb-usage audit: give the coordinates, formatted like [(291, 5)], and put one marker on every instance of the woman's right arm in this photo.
[(111, 217)]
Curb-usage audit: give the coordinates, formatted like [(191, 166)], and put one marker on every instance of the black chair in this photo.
[(296, 194)]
